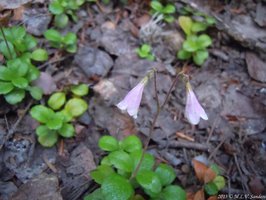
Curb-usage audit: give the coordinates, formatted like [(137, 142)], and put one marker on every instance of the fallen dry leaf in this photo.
[(199, 195), (184, 136), (213, 198), (209, 175), (200, 170)]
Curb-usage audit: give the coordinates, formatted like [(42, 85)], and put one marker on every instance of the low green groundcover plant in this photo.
[(119, 178), (55, 119), (67, 42), (145, 52), (195, 46), (63, 9), (18, 72), (166, 10)]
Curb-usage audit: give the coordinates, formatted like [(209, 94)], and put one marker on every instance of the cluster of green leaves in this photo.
[(115, 173), (217, 183), (195, 46), (55, 120), (166, 10), (145, 52), (63, 9), (16, 77), (67, 42)]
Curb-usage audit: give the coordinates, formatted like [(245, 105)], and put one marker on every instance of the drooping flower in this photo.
[(131, 102), (193, 110)]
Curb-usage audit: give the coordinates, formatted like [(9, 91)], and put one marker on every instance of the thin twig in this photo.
[(14, 127), (7, 45), (185, 144)]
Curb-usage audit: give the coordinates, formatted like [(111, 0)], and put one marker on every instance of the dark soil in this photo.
[(231, 86)]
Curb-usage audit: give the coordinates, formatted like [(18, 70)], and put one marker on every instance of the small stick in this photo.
[(4, 36), (185, 144)]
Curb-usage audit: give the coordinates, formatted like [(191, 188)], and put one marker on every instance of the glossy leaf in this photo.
[(183, 55), (211, 188), (42, 130), (56, 8), (55, 121), (116, 187), (121, 160), (5, 87), (191, 45), (6, 74), (147, 162), (95, 195), (149, 180), (20, 82), (101, 173), (200, 56), (131, 143), (15, 96), (18, 67), (49, 139), (52, 35), (80, 90), (61, 20), (166, 174), (57, 100), (204, 41), (108, 143), (35, 92), (39, 55), (41, 113), (219, 181), (157, 6), (186, 24), (76, 107), (70, 38), (173, 192), (67, 130), (169, 9)]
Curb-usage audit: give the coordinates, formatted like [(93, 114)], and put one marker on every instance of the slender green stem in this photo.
[(4, 36), (159, 109)]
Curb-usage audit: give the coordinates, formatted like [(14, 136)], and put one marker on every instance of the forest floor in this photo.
[(231, 86)]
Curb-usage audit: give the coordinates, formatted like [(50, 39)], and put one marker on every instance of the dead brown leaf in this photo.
[(209, 175), (200, 170), (199, 195)]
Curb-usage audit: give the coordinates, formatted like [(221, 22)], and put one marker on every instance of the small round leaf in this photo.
[(67, 130), (41, 113), (211, 188), (219, 181), (15, 96), (108, 143), (35, 92), (76, 107), (131, 143), (186, 24), (61, 20), (39, 55), (166, 174), (52, 35), (57, 100), (147, 162), (121, 160), (5, 87), (116, 187), (200, 56), (80, 90), (149, 180), (49, 139), (55, 121), (101, 172), (173, 192)]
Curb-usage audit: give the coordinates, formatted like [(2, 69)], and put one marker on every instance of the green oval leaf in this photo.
[(42, 130), (56, 8), (35, 92), (18, 67), (15, 96), (169, 9), (57, 100), (20, 82), (219, 181), (41, 113), (200, 56), (183, 55), (80, 90), (198, 26), (101, 172), (116, 187), (108, 143), (67, 130), (211, 188), (186, 24), (49, 139), (191, 45), (173, 192), (147, 162), (76, 107), (149, 180), (131, 143), (61, 20), (166, 174), (204, 41), (5, 87), (6, 74), (70, 38), (53, 35), (157, 6), (121, 160), (55, 121), (39, 55)]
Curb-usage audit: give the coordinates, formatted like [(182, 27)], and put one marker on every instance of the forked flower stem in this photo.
[(159, 109), (7, 45)]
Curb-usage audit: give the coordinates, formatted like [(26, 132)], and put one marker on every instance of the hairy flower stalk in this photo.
[(193, 110), (131, 102)]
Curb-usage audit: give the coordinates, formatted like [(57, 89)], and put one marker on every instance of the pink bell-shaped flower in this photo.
[(193, 110), (131, 102)]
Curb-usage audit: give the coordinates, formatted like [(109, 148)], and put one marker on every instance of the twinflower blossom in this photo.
[(193, 110), (131, 102)]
